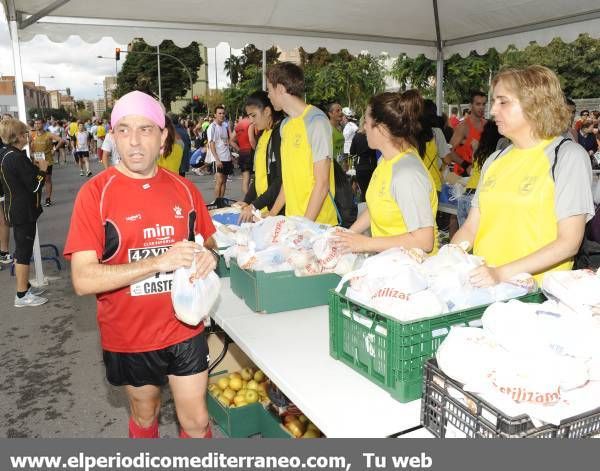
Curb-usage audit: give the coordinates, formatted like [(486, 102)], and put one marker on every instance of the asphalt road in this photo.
[(52, 381)]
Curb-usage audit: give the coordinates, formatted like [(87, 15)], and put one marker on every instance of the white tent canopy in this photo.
[(393, 26), (436, 28)]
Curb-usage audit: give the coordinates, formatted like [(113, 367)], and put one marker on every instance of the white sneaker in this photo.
[(6, 259), (29, 300), (37, 291)]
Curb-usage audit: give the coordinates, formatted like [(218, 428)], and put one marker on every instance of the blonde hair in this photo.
[(10, 130), (543, 102)]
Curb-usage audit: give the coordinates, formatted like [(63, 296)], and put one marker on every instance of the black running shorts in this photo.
[(140, 369)]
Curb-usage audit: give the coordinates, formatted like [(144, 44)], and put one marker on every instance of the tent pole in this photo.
[(439, 83), (264, 69), (158, 61), (16, 52), (439, 76)]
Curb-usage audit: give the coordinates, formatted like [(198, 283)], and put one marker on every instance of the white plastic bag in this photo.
[(193, 298)]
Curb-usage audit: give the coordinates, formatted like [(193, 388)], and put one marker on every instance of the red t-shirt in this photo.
[(241, 133), (125, 220)]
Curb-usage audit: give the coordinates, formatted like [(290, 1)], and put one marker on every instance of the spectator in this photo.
[(349, 128), (22, 184), (172, 149), (587, 139), (365, 160), (453, 121), (184, 139), (242, 139)]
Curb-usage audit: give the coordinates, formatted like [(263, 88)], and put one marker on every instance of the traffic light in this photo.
[(196, 98), (68, 90), (117, 53)]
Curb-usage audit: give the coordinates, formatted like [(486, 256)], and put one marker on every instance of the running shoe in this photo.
[(37, 291), (47, 203), (6, 258), (29, 300), (89, 174), (81, 174)]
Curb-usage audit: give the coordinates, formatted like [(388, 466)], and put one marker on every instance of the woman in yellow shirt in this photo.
[(534, 197), (263, 191), (401, 197), (172, 151)]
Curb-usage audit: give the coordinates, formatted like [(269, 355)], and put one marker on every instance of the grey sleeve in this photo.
[(411, 188), (319, 136), (486, 165), (573, 182), (441, 144)]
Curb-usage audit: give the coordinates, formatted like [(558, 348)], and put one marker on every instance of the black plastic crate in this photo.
[(448, 411)]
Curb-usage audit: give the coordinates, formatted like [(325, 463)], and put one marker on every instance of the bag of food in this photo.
[(193, 298)]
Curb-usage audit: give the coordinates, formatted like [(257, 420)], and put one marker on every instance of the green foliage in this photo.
[(47, 113), (576, 65), (346, 79), (83, 115), (140, 71)]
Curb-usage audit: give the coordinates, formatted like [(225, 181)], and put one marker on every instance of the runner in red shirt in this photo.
[(130, 228), (242, 138), (466, 136)]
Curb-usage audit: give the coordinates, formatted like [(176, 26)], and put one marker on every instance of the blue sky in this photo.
[(74, 63)]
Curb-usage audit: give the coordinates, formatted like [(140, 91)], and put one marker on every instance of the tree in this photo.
[(83, 115), (140, 71), (576, 63), (233, 68), (345, 79)]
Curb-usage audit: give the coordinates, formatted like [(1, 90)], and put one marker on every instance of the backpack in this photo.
[(343, 202), (588, 255)]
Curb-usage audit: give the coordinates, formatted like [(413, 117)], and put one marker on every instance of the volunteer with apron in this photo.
[(401, 198), (529, 212), (263, 192)]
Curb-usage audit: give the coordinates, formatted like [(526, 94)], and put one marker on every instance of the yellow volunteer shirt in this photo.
[(261, 182), (517, 205), (172, 161), (299, 136), (402, 197)]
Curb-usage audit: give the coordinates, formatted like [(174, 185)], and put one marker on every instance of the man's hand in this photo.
[(205, 263), (484, 276), (42, 165), (179, 255), (219, 164)]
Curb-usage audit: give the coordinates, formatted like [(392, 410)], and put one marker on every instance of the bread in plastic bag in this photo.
[(193, 298)]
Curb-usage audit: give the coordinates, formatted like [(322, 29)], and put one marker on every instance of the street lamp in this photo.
[(40, 77), (158, 54), (112, 59)]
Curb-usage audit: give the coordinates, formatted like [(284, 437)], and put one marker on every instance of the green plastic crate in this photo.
[(282, 291), (234, 422), (391, 353), (222, 269)]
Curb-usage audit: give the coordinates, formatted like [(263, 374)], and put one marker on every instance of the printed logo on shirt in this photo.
[(527, 185), (135, 217), (161, 233), (488, 183), (178, 212), (145, 186), (297, 140)]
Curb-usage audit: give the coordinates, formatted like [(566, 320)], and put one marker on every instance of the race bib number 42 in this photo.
[(156, 284)]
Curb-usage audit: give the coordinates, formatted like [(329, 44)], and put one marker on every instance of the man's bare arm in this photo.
[(320, 191)]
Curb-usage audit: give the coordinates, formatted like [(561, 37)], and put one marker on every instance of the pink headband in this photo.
[(140, 104)]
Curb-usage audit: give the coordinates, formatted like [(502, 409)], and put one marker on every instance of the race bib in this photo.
[(39, 156), (158, 283)]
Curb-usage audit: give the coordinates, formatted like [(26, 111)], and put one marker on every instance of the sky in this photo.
[(74, 63)]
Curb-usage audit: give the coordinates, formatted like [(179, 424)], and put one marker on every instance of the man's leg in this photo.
[(22, 275), (144, 402), (48, 185), (86, 163), (245, 182), (189, 393), (220, 179), (4, 233)]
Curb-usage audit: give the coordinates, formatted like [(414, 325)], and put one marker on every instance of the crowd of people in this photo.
[(527, 202)]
